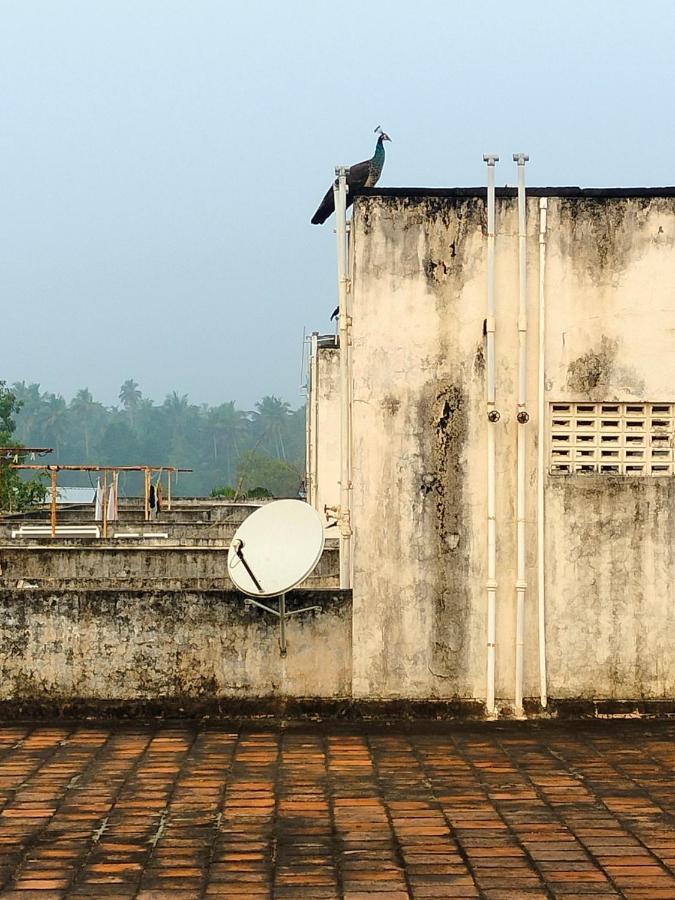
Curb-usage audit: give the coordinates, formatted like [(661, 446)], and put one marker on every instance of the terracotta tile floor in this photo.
[(326, 811)]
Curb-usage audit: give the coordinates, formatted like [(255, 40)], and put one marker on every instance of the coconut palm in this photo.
[(55, 421), (130, 398), (86, 414), (227, 426), (271, 417)]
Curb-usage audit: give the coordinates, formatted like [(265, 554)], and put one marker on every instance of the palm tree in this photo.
[(54, 423), (86, 412), (130, 398), (184, 425), (226, 425), (271, 416), (177, 408)]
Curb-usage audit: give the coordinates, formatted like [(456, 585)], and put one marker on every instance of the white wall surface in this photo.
[(419, 452)]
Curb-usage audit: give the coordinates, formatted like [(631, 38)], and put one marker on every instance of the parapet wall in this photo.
[(105, 645), (154, 565)]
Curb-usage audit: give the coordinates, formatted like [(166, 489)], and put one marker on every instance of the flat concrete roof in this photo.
[(606, 193)]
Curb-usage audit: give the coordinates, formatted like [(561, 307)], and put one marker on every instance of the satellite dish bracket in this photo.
[(282, 615)]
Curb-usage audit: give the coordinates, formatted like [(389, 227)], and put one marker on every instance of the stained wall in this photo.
[(419, 446)]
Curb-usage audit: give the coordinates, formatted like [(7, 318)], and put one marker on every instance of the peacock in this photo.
[(363, 174)]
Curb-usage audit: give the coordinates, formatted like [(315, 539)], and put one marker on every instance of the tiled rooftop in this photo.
[(181, 810)]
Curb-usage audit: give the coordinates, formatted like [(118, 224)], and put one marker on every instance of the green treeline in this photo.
[(226, 447)]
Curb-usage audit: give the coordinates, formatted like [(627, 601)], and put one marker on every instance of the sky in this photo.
[(160, 161)]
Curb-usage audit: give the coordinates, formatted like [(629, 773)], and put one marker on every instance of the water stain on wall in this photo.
[(598, 374), (593, 370), (445, 226), (599, 235), (446, 418)]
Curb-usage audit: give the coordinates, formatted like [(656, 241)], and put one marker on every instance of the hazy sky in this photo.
[(160, 161)]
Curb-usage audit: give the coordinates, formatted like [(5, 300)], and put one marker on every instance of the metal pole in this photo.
[(522, 418), (340, 196), (541, 425), (492, 419), (168, 490), (146, 488), (282, 624), (105, 504), (53, 472)]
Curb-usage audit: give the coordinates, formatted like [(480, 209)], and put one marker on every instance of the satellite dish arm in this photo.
[(238, 545)]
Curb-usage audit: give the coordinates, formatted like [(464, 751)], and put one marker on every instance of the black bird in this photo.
[(363, 174)]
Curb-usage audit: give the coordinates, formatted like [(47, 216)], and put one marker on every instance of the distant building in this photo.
[(71, 495), (323, 424)]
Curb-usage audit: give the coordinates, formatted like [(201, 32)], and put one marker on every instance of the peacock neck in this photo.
[(378, 156)]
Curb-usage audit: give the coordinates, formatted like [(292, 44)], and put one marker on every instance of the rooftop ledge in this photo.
[(462, 192)]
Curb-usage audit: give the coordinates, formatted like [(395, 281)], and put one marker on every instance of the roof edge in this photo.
[(507, 192)]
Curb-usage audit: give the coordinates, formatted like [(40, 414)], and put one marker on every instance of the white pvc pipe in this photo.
[(522, 418), (340, 196), (312, 415), (492, 418), (350, 366), (541, 429), (308, 434)]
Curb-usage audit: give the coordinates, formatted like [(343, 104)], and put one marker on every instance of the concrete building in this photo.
[(322, 458), (601, 265)]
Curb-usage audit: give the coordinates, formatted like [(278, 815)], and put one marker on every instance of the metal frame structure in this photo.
[(54, 469)]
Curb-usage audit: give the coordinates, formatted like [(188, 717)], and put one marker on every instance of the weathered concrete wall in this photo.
[(610, 544), (85, 564), (116, 645), (417, 350), (419, 452), (610, 270)]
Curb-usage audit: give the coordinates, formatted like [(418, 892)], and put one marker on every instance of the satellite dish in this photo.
[(275, 548), (273, 551)]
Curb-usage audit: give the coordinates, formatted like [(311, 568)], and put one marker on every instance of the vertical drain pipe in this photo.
[(522, 417), (493, 418), (541, 436), (340, 196), (308, 427), (350, 368), (312, 429)]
